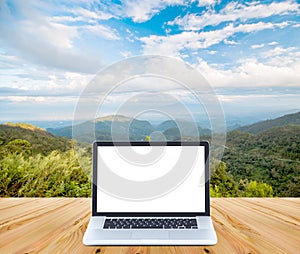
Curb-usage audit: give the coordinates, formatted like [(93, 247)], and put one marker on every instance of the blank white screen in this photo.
[(188, 196)]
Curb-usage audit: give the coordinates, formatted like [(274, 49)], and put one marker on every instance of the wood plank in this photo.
[(259, 230), (57, 225)]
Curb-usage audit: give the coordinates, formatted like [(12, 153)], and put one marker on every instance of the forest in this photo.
[(271, 157), (35, 163)]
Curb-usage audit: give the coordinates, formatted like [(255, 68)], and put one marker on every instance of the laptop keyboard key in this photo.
[(151, 223)]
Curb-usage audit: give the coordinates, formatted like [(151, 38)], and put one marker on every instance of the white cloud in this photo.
[(64, 19), (241, 98), (9, 62), (138, 11), (208, 2), (38, 39), (141, 11), (164, 45), (235, 11), (126, 54), (58, 35), (38, 99), (278, 51), (280, 56), (42, 82), (66, 83), (273, 43), (102, 31), (86, 21), (257, 46), (252, 73), (173, 44), (230, 42), (91, 16), (33, 22), (253, 27)]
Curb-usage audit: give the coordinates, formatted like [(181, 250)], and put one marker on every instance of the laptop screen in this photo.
[(150, 178)]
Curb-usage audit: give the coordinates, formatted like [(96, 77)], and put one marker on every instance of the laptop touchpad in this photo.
[(149, 234)]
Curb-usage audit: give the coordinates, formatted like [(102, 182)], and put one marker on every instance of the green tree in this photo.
[(222, 183), (258, 189)]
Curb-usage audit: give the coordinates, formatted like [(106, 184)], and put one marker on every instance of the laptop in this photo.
[(150, 193)]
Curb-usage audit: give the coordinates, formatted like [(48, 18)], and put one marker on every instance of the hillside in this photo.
[(272, 156), (42, 142), (268, 124), (35, 163)]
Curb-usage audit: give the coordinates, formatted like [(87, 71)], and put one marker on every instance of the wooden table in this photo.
[(57, 225)]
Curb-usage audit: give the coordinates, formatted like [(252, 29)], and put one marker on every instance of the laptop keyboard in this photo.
[(144, 223)]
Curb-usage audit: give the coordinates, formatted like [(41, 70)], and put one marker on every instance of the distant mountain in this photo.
[(41, 141), (168, 124), (268, 124), (174, 129), (102, 128), (121, 126), (62, 132)]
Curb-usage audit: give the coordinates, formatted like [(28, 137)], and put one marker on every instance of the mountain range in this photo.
[(268, 151), (124, 127)]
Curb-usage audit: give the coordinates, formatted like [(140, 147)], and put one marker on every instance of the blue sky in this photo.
[(249, 51)]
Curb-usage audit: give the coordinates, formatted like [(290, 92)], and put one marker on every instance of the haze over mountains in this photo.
[(277, 122), (233, 121), (123, 127)]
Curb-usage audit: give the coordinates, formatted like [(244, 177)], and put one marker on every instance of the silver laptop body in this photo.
[(150, 193)]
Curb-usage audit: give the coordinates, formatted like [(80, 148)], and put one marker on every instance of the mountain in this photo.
[(124, 127), (268, 124), (121, 126), (103, 127), (271, 156), (168, 124), (176, 128), (41, 141)]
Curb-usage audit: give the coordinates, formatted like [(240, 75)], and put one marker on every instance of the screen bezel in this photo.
[(96, 144)]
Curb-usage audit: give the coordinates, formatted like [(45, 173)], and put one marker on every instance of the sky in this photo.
[(248, 51)]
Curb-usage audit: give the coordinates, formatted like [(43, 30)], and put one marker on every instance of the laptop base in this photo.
[(96, 235)]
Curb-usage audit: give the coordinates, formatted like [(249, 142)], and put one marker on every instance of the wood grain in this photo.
[(57, 225)]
